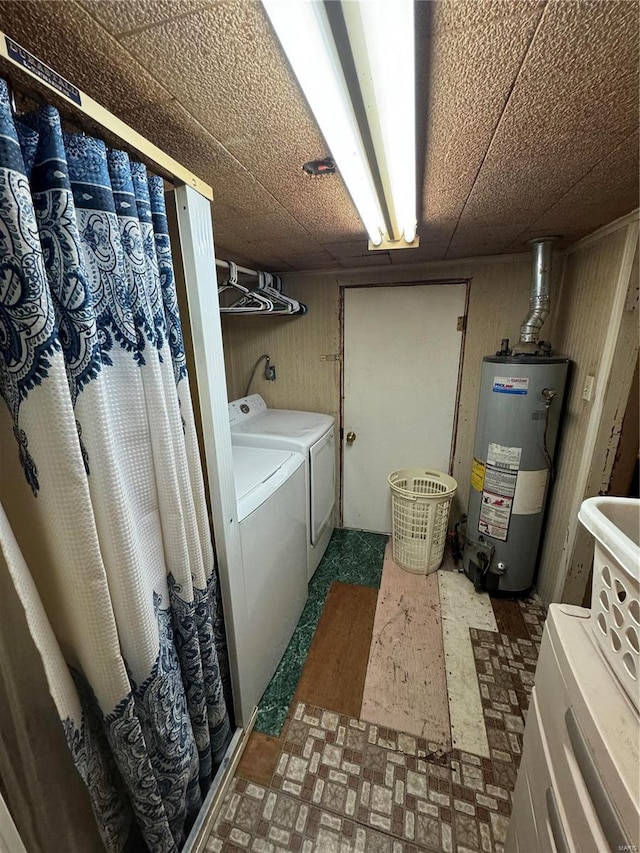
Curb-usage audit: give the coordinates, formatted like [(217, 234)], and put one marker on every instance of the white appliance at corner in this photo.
[(578, 788), (312, 434), (270, 493)]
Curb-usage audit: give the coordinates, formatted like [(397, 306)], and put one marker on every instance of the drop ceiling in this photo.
[(527, 119)]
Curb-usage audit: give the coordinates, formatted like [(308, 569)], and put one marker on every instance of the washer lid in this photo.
[(306, 427), (254, 470)]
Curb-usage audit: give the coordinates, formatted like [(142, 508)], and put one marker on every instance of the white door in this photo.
[(402, 353)]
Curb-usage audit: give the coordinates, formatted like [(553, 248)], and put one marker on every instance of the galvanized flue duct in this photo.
[(540, 300)]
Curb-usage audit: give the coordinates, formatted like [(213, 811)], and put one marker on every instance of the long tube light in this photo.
[(381, 36), (381, 39), (304, 32)]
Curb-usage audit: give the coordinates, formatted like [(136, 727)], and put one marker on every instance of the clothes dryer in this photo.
[(312, 434)]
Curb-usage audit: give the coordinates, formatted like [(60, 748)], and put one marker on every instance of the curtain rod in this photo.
[(50, 80)]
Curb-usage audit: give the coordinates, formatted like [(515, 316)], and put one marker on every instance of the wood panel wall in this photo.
[(585, 283), (498, 302), (597, 270)]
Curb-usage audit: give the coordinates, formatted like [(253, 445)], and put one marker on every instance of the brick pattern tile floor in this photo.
[(347, 786)]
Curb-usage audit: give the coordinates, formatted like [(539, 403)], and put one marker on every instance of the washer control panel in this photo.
[(246, 408)]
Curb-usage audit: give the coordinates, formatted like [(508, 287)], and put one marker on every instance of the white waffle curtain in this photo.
[(122, 600)]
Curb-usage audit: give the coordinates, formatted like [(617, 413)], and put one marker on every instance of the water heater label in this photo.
[(530, 491), (477, 474), (510, 384), (498, 490), (507, 458), (495, 512), (499, 482)]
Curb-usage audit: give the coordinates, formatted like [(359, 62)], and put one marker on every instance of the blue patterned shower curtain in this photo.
[(124, 603)]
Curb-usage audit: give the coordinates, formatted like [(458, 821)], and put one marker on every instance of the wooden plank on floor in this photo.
[(509, 618), (260, 757), (464, 608), (335, 669), (406, 687)]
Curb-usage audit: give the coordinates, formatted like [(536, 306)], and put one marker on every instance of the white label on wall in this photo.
[(507, 458), (510, 385), (530, 489)]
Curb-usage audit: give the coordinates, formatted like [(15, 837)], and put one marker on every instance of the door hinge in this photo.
[(461, 324)]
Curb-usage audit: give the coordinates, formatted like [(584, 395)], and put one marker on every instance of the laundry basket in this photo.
[(615, 591), (420, 503)]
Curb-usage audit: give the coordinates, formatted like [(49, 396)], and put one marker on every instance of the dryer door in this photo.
[(322, 482)]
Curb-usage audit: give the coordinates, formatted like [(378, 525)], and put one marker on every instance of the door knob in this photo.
[(351, 437)]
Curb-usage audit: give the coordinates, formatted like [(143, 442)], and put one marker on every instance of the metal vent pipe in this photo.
[(540, 301)]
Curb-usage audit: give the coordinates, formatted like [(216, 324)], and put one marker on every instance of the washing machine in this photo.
[(271, 498), (253, 424)]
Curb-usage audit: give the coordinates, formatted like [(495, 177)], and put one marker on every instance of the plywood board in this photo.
[(464, 608), (334, 673), (405, 687), (260, 757), (509, 617)]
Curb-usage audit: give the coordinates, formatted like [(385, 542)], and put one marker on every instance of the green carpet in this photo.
[(352, 556)]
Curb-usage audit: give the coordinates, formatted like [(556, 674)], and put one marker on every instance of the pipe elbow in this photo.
[(531, 326)]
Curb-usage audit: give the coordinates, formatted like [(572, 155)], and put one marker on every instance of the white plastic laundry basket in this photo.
[(420, 503), (615, 592)]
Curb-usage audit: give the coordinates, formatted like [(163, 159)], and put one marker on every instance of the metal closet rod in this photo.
[(225, 266)]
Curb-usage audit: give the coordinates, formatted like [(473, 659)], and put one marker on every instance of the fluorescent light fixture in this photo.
[(381, 36), (304, 32), (381, 42)]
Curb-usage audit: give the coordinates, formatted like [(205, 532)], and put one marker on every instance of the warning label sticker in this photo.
[(498, 490), (495, 512), (500, 482), (477, 475), (510, 385)]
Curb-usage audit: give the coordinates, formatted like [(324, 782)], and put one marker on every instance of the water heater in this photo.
[(519, 411)]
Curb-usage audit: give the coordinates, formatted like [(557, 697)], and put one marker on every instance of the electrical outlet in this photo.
[(587, 391)]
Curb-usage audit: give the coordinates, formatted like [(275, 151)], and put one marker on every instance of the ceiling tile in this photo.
[(575, 101), (226, 67), (476, 51), (67, 38), (349, 248), (608, 191), (428, 250), (313, 260), (375, 259), (207, 82), (169, 126), (519, 181), (121, 17), (481, 240)]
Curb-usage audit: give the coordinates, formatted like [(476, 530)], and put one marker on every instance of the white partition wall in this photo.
[(198, 255)]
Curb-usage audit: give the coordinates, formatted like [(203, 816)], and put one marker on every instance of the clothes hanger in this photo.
[(271, 288), (275, 284), (286, 304), (246, 300)]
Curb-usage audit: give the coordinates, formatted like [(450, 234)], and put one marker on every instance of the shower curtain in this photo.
[(121, 592)]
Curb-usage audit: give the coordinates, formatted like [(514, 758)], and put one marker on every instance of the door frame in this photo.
[(412, 283)]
